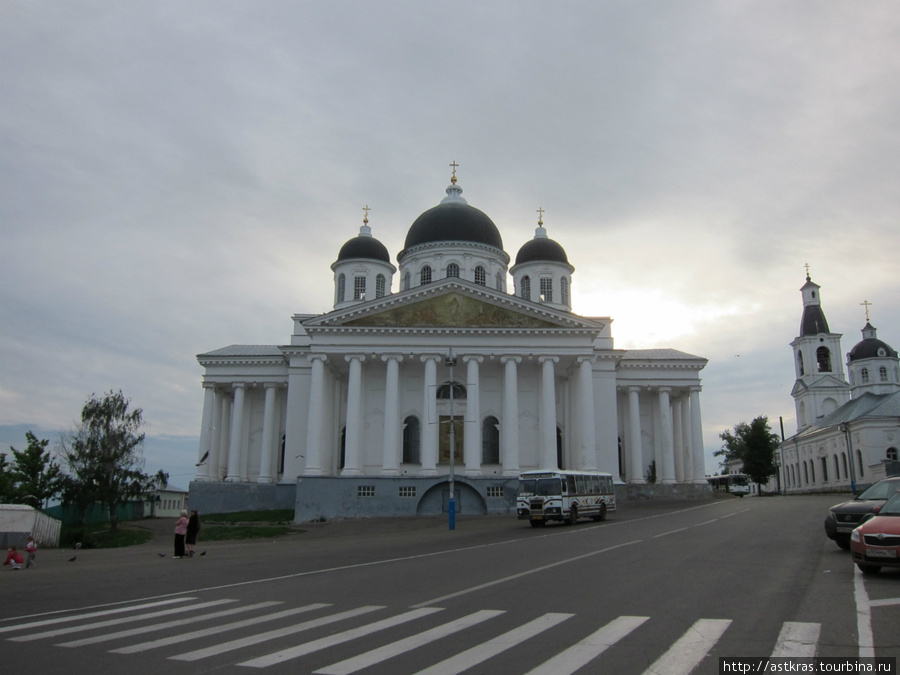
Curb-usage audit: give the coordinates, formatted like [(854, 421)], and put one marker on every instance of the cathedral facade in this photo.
[(372, 408), (848, 426)]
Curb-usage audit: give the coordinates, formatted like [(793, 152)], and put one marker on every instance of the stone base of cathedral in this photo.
[(222, 497), (661, 491)]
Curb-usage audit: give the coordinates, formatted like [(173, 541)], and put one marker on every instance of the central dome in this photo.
[(453, 220)]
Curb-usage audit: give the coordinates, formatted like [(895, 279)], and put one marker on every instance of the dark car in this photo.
[(876, 543), (843, 518)]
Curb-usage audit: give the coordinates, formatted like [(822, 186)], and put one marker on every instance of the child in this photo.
[(13, 558), (31, 550)]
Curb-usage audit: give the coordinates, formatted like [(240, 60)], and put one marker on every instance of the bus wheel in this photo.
[(602, 514), (573, 516)]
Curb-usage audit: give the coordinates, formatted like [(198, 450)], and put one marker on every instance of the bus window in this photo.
[(548, 487), (571, 483), (526, 486), (595, 485)]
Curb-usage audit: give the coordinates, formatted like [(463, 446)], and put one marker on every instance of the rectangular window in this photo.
[(365, 490), (408, 491), (546, 290), (495, 491), (359, 288)]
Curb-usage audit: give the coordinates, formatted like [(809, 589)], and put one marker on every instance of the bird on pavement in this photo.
[(161, 555), (72, 559), (203, 554)]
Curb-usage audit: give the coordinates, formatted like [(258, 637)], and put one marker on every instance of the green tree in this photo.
[(8, 493), (38, 478), (104, 457), (754, 445)]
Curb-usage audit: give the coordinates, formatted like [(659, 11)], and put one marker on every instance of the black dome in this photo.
[(870, 348), (363, 246), (453, 221), (541, 249), (813, 321)]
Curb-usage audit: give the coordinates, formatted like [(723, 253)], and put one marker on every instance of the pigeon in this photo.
[(203, 554), (161, 555), (72, 559)]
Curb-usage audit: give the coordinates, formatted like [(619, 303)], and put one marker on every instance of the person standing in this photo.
[(180, 532), (193, 527), (31, 551)]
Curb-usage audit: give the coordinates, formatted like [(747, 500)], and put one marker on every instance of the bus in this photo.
[(735, 483), (564, 496)]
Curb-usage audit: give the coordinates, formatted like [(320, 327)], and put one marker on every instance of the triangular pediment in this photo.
[(453, 304), (451, 310)]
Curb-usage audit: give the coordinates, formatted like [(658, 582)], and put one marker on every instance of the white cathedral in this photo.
[(352, 418), (848, 432)]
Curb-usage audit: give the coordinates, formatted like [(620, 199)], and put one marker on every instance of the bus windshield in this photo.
[(738, 479), (527, 485), (548, 487)]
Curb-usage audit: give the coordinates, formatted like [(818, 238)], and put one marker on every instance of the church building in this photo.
[(848, 431), (469, 367)]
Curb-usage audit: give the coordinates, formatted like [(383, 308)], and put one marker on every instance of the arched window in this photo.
[(526, 287), (823, 359), (342, 285), (411, 440), (453, 271), (425, 276), (859, 460), (480, 276), (891, 454), (406, 281), (499, 281), (837, 468), (564, 290), (824, 469), (379, 286), (812, 471), (882, 374), (864, 375), (443, 392), (844, 462), (490, 441), (800, 363)]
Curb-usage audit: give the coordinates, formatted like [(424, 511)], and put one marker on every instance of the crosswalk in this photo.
[(227, 626)]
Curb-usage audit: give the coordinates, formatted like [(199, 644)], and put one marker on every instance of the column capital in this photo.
[(392, 357), (209, 385), (587, 359), (545, 359), (472, 357), (664, 390), (317, 357), (273, 385), (239, 385), (695, 389), (355, 357), (635, 388), (514, 359)]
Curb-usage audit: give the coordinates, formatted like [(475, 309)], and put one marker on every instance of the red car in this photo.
[(876, 542)]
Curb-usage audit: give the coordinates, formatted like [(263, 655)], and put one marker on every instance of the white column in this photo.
[(635, 441), (235, 446), (316, 416), (677, 440), (509, 434), (697, 439), (390, 463), (548, 412), (665, 437), (686, 439), (225, 437), (430, 423), (353, 441), (267, 451), (472, 435), (215, 440), (588, 454), (209, 401)]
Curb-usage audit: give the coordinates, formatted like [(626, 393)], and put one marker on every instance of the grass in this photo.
[(100, 536)]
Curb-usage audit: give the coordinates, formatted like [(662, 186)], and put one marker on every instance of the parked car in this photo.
[(844, 517), (876, 543)]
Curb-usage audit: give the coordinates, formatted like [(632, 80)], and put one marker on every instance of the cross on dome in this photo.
[(866, 304)]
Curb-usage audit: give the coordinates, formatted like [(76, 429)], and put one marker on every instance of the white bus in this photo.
[(735, 483), (565, 496)]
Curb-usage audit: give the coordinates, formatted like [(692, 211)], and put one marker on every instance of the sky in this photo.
[(177, 177)]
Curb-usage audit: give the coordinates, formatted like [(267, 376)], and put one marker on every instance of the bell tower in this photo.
[(820, 387)]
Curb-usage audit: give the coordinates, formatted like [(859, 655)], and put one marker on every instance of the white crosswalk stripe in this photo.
[(482, 636)]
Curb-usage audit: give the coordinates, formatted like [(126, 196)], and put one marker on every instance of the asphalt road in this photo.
[(665, 588)]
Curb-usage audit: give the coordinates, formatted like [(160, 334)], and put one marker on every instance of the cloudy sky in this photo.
[(176, 177)]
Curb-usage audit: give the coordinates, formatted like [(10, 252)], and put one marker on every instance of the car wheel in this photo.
[(868, 569), (843, 543)]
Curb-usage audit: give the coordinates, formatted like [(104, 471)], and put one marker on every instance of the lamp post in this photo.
[(845, 428), (451, 503)]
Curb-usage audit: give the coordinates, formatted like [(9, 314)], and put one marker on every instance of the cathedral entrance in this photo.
[(444, 440)]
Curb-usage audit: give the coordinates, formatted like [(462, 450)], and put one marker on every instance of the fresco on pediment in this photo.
[(451, 310)]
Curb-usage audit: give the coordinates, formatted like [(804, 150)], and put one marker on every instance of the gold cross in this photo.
[(807, 271), (366, 217), (867, 304), (540, 216), (453, 177)]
